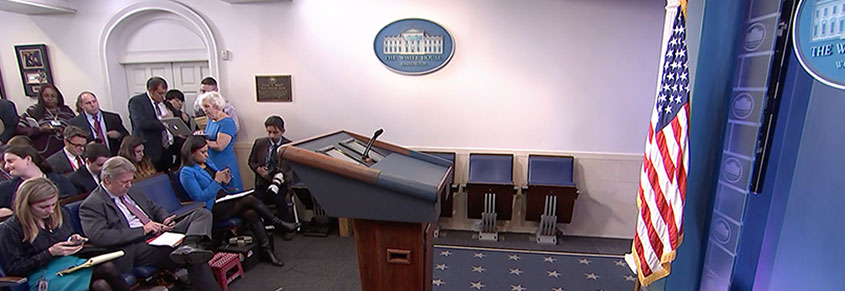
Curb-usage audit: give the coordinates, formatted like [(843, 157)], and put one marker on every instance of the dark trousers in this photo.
[(278, 199), (250, 210)]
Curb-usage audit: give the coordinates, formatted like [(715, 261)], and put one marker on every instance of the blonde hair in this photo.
[(30, 192)]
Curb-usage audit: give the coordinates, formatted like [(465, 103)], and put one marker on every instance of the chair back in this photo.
[(73, 211), (159, 189), (446, 156), (177, 187), (490, 168), (550, 170)]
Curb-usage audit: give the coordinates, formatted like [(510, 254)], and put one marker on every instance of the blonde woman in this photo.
[(39, 241)]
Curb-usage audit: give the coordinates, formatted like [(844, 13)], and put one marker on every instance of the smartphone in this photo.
[(74, 242)]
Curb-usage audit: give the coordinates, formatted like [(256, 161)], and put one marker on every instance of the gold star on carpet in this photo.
[(513, 257), (441, 267), (549, 259), (592, 276), (476, 285), (516, 271), (479, 255), (518, 288), (438, 282), (478, 269), (584, 261), (553, 273), (445, 253)]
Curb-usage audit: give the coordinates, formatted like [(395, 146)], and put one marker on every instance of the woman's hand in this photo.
[(222, 177), (64, 248)]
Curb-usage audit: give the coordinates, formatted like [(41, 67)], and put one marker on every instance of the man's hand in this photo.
[(262, 171), (114, 134), (169, 221), (155, 228), (64, 248)]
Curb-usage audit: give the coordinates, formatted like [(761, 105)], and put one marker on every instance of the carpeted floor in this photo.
[(330, 263)]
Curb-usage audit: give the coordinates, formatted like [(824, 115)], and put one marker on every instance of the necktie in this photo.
[(99, 130), (135, 211), (273, 161), (79, 162)]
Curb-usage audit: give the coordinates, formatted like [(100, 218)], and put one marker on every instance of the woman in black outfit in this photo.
[(39, 233)]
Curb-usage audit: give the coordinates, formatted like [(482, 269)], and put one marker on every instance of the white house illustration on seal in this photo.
[(828, 20), (414, 42)]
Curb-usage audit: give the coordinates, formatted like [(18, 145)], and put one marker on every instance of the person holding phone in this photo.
[(39, 240), (203, 181), (221, 134)]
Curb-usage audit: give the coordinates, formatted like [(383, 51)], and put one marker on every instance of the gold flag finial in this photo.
[(684, 8)]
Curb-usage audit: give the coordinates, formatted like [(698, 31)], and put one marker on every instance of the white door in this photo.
[(185, 76)]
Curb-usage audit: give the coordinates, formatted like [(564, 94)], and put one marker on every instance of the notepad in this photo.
[(233, 196), (169, 239)]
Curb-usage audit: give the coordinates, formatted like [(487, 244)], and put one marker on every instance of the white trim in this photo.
[(125, 16)]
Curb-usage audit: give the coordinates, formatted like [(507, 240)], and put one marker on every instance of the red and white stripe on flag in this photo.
[(663, 175)]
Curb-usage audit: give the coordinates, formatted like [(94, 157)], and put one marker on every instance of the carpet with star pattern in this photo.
[(472, 268)]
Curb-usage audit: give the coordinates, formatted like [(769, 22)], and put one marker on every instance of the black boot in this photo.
[(268, 252), (284, 226)]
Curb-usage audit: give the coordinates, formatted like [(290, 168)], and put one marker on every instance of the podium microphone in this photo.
[(366, 155)]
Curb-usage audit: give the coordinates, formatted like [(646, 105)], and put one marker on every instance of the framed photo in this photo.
[(34, 66), (273, 88)]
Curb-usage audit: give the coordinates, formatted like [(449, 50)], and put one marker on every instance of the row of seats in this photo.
[(166, 192), (490, 188)]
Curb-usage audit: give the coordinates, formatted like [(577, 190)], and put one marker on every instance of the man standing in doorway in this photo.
[(104, 127), (145, 112)]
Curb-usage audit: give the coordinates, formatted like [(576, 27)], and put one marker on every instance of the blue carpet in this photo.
[(470, 268)]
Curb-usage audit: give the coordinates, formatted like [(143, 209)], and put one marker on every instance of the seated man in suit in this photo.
[(70, 157), (145, 112), (116, 215), (9, 119), (272, 175), (86, 178), (103, 126)]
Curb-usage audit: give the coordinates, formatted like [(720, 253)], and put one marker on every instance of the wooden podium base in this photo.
[(394, 255)]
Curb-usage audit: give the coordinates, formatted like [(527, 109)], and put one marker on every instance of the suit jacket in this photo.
[(83, 180), (8, 188), (112, 121), (258, 158), (145, 124), (106, 226), (199, 185), (9, 116), (60, 163)]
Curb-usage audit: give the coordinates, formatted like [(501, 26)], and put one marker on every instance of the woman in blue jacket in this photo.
[(203, 181)]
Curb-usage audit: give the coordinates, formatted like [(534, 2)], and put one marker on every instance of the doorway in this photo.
[(185, 76)]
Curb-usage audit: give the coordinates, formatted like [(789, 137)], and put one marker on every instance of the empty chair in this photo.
[(490, 173), (159, 189), (446, 201), (550, 176)]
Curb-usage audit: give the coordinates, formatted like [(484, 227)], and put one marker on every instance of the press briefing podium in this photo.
[(394, 201)]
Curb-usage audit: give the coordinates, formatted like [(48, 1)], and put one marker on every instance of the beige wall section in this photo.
[(606, 206)]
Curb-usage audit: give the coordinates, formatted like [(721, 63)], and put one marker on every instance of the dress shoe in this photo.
[(288, 235), (189, 255)]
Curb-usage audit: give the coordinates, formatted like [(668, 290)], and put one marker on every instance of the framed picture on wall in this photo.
[(273, 88), (34, 66)]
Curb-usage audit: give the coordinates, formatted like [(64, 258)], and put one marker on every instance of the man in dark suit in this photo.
[(145, 112), (105, 127), (86, 178), (70, 158), (272, 175), (9, 117), (116, 215)]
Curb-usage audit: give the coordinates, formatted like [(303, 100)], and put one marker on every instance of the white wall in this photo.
[(534, 75)]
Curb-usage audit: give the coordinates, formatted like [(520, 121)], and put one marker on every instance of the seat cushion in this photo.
[(231, 222), (129, 279), (144, 271)]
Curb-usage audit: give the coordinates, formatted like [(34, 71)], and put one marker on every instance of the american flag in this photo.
[(663, 177)]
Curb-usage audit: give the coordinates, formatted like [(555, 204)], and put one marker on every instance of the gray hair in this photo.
[(115, 166), (214, 98)]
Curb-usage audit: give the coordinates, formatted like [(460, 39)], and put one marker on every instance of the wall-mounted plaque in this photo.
[(34, 66), (275, 88)]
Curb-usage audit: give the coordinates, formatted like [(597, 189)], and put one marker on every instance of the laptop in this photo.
[(176, 126)]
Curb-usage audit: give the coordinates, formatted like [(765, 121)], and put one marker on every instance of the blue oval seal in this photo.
[(414, 46), (818, 38)]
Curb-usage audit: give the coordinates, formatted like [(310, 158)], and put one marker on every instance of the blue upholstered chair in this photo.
[(550, 176), (490, 173)]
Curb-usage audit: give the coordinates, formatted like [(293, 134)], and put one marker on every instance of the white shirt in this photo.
[(73, 161), (162, 112), (133, 220)]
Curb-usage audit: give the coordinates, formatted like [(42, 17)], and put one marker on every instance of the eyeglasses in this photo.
[(82, 145)]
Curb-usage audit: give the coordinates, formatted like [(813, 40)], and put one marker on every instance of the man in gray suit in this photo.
[(115, 215)]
